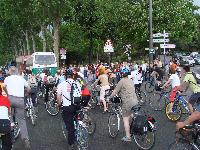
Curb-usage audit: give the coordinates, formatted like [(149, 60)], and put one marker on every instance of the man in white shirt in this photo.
[(68, 110), (14, 88)]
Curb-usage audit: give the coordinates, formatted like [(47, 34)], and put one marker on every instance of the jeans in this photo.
[(18, 104), (68, 113)]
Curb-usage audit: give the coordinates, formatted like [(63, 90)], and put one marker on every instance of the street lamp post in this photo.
[(150, 30)]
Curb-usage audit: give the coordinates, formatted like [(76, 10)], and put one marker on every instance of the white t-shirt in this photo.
[(15, 85), (175, 80), (144, 67), (64, 89), (4, 112), (136, 77)]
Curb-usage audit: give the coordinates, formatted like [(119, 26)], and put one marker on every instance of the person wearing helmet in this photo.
[(126, 90), (64, 90)]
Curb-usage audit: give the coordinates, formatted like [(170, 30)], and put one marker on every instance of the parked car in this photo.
[(186, 60), (177, 55), (193, 54), (197, 59)]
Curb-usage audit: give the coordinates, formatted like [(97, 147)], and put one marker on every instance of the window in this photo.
[(44, 59)]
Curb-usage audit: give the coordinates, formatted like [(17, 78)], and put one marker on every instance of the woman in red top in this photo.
[(5, 126)]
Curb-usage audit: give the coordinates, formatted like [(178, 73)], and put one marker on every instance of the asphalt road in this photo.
[(47, 134)]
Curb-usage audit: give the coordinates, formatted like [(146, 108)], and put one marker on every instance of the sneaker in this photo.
[(126, 139), (27, 144)]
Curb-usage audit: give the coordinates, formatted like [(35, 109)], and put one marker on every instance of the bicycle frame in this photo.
[(181, 100)]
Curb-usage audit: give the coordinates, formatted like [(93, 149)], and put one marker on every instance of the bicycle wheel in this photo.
[(142, 97), (144, 141), (90, 124), (64, 130), (181, 146), (93, 102), (51, 107), (82, 137), (16, 131), (149, 86), (157, 102), (176, 114), (113, 125), (33, 116)]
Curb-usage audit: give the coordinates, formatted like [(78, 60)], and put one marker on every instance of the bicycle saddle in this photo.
[(136, 108)]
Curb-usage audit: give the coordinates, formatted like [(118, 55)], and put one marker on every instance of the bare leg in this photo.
[(127, 126)]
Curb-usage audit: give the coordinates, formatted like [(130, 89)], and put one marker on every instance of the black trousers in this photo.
[(46, 97), (5, 128), (68, 113)]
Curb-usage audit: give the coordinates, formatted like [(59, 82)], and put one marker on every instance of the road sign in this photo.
[(160, 40), (167, 46), (63, 56), (152, 51), (108, 48), (161, 35), (146, 49)]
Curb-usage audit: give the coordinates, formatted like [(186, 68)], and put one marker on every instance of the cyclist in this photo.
[(68, 109), (136, 76), (32, 82), (5, 126), (175, 82), (14, 88), (103, 81), (158, 72), (126, 90), (194, 100)]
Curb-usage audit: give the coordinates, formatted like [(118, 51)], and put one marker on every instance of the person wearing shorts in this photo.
[(194, 100), (126, 90), (174, 80), (103, 79)]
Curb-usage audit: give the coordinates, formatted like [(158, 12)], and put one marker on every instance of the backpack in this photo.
[(75, 94), (139, 125)]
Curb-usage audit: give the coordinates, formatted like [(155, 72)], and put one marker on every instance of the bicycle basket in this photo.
[(139, 125), (184, 134)]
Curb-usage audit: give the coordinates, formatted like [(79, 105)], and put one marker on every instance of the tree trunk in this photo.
[(33, 40), (56, 38), (24, 49), (27, 43), (44, 43)]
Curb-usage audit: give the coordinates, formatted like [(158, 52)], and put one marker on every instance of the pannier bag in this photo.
[(139, 125)]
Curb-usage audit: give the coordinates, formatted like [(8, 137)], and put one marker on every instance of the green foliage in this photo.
[(84, 26)]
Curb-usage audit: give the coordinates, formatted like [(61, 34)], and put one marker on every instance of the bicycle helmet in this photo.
[(125, 72)]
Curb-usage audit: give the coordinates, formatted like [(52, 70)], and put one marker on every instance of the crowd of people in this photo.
[(126, 78)]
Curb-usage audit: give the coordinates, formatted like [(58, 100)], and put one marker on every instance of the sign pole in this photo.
[(164, 51)]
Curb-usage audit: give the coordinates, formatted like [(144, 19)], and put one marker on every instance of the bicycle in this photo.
[(52, 105), (151, 85), (15, 130), (81, 130), (179, 105), (141, 96), (187, 138), (159, 100), (30, 110), (145, 139), (94, 101)]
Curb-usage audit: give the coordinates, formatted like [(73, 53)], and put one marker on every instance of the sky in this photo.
[(197, 2)]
